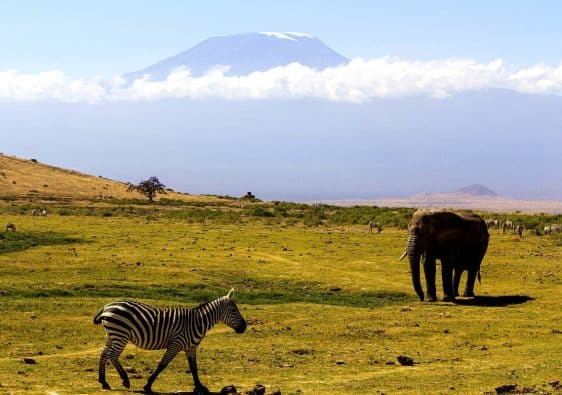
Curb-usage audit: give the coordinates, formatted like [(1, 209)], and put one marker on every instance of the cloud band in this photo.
[(358, 81)]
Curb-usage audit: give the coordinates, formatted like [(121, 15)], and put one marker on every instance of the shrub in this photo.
[(261, 212)]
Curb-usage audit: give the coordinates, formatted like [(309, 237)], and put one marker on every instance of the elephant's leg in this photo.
[(447, 278), (457, 279), (472, 273), (429, 270)]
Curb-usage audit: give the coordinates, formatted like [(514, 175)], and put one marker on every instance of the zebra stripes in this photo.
[(154, 328)]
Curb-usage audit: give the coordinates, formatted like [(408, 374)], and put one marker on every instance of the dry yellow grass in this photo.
[(26, 178)]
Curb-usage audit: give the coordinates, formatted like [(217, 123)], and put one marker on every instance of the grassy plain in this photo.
[(330, 307)]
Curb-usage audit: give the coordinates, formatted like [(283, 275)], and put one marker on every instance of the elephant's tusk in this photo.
[(403, 255)]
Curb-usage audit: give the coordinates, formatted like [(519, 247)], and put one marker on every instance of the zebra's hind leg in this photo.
[(101, 370), (170, 354), (113, 354)]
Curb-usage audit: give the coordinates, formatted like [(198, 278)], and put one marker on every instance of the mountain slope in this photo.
[(246, 53), (28, 178)]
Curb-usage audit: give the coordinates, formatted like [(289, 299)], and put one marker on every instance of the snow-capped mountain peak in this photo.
[(293, 36), (246, 53)]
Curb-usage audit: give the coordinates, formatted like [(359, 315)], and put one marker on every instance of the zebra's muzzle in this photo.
[(241, 328)]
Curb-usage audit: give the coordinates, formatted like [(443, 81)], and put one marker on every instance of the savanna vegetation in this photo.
[(329, 306)]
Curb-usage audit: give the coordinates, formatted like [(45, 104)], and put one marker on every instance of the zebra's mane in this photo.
[(202, 305)]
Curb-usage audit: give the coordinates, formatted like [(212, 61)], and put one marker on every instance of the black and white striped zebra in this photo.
[(155, 328)]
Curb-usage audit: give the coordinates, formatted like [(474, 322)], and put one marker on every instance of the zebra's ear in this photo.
[(230, 294)]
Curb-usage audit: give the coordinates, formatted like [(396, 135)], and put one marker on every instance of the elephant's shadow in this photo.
[(175, 393), (495, 301)]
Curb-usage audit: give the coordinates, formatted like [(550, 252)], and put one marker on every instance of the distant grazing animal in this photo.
[(519, 230), (555, 228), (493, 223), (547, 230), (508, 225), (39, 212), (11, 227), (155, 328), (375, 225)]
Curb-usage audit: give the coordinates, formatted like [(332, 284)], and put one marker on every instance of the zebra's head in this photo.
[(232, 316)]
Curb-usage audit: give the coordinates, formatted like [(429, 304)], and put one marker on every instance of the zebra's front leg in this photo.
[(170, 354), (199, 389)]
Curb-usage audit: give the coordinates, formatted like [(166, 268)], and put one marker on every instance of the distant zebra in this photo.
[(547, 230), (555, 228), (493, 223), (375, 225), (39, 212), (155, 328), (11, 227), (519, 230)]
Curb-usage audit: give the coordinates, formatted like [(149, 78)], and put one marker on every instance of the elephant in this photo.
[(459, 240)]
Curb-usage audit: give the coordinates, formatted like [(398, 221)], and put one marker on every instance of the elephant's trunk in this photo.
[(414, 258)]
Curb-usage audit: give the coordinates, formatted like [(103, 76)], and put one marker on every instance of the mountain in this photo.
[(246, 53), (476, 190)]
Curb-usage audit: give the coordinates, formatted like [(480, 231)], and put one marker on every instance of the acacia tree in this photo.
[(148, 188)]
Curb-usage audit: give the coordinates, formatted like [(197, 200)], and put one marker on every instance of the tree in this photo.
[(148, 188)]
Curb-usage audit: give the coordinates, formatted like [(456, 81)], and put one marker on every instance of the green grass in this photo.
[(329, 305)]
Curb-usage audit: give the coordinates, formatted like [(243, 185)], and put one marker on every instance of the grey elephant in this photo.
[(459, 240)]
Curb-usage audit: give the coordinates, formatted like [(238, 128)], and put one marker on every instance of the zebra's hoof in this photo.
[(147, 389), (468, 294), (126, 383), (105, 386)]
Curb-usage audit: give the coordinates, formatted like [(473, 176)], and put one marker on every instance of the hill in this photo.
[(28, 178), (477, 190), (246, 53)]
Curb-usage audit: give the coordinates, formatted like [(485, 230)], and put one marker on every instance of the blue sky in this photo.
[(112, 37)]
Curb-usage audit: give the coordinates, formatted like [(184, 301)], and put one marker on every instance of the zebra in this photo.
[(519, 230), (493, 223), (507, 225), (11, 227), (155, 328), (375, 225), (555, 228), (39, 212), (547, 230)]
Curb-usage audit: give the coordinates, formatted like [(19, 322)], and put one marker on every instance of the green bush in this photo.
[(261, 212)]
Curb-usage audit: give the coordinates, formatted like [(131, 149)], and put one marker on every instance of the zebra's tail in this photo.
[(97, 318)]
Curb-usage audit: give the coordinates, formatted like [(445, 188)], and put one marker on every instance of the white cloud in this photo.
[(358, 81)]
